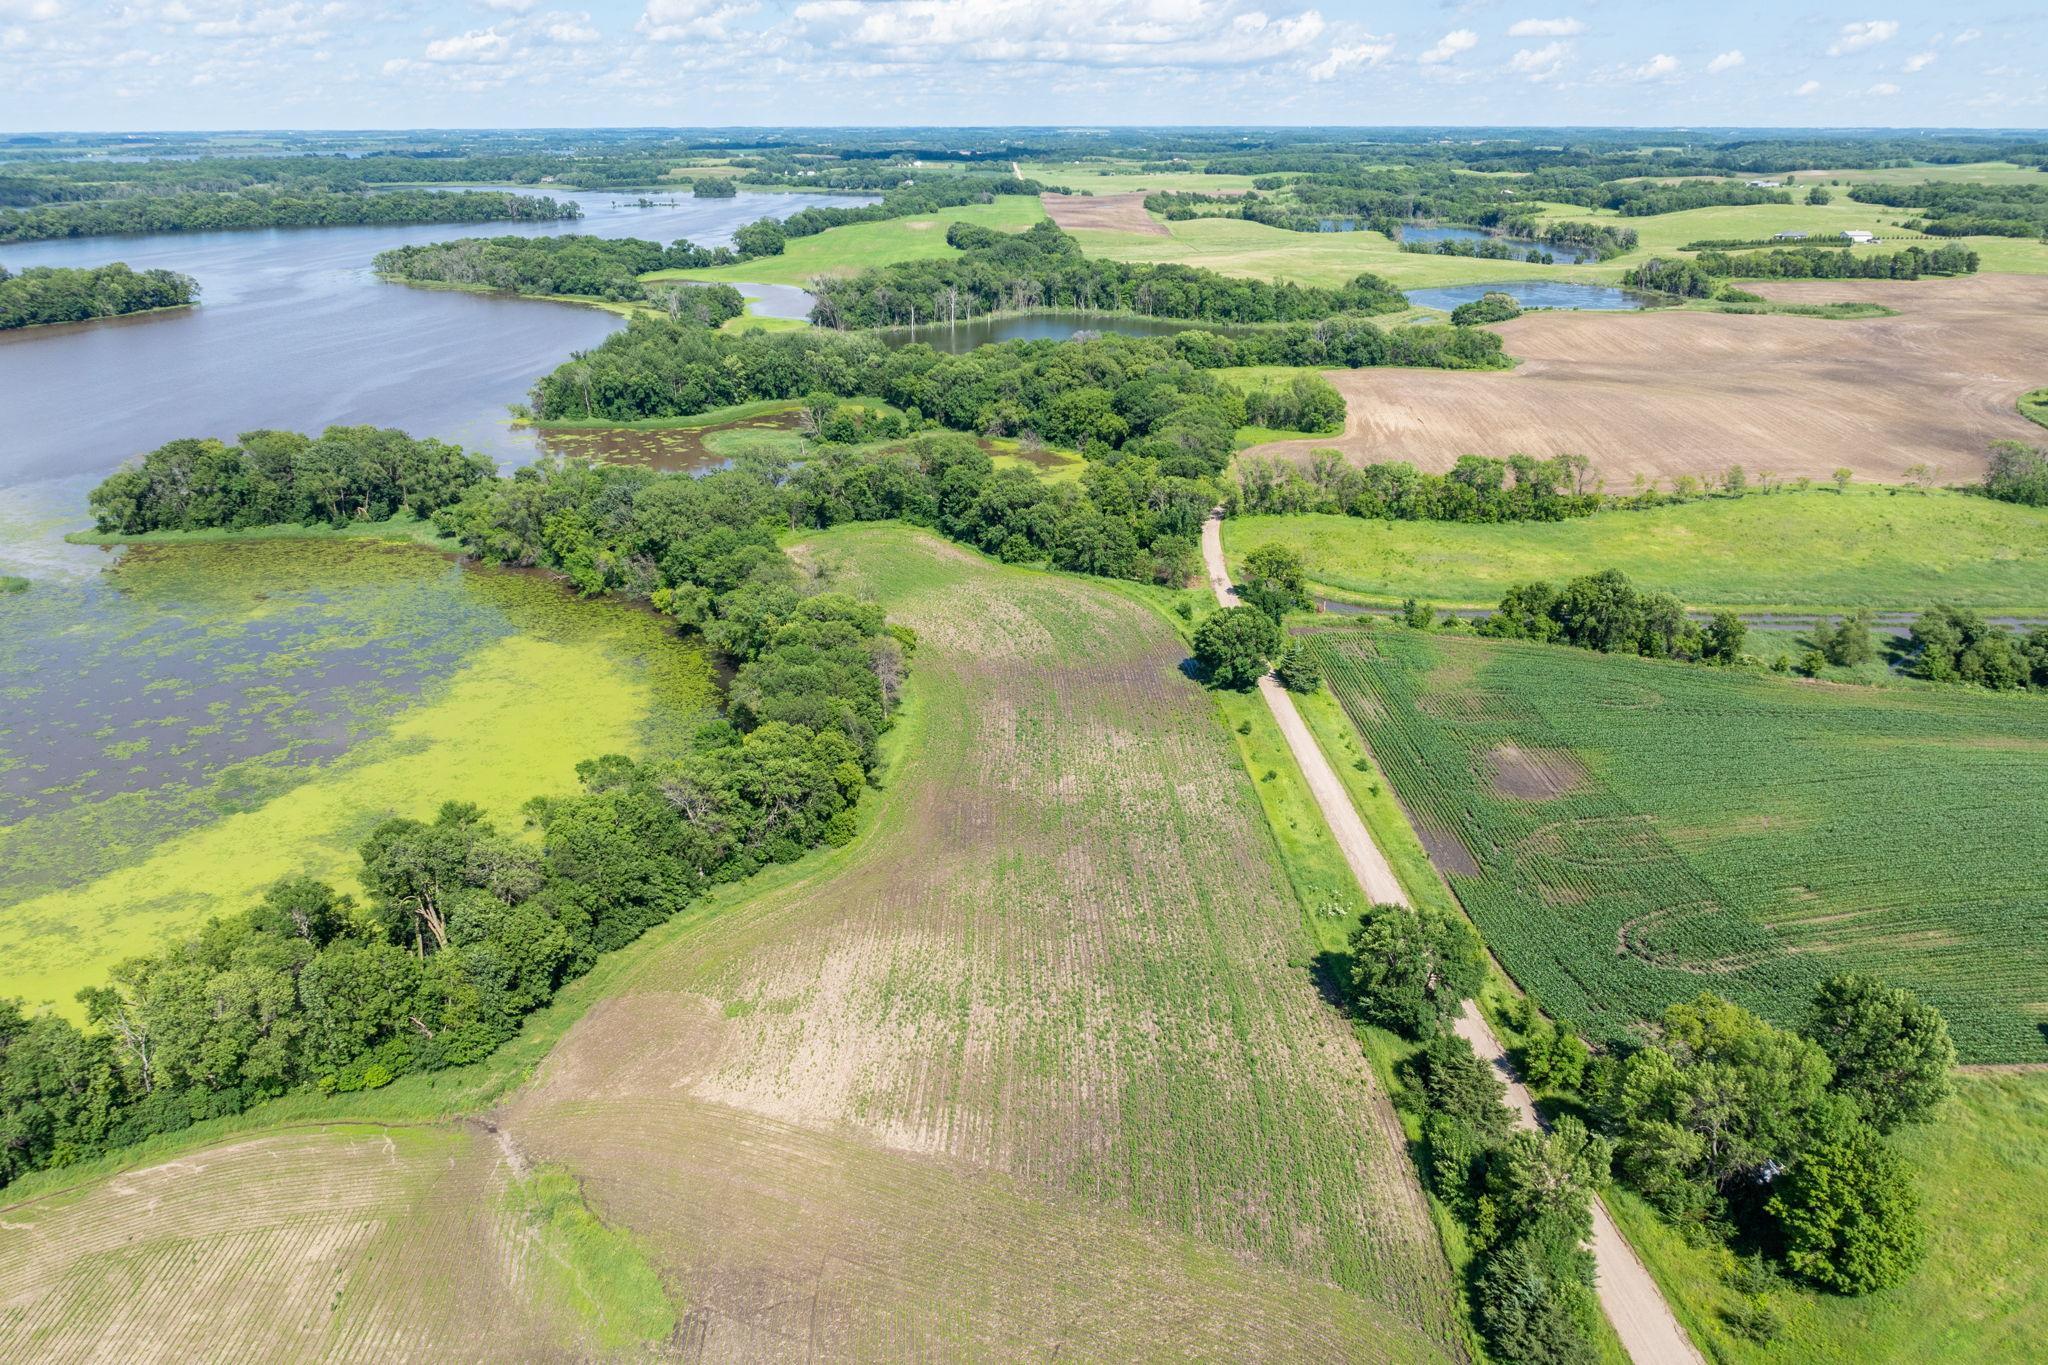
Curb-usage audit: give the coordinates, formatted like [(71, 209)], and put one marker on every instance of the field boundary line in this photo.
[(1628, 1295)]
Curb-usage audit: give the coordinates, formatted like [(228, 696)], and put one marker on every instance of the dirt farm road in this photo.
[(1628, 1295)]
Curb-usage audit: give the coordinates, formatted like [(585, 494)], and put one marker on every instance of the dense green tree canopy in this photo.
[(48, 294)]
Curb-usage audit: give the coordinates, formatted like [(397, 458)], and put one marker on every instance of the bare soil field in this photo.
[(1026, 1070), (1668, 393), (343, 1243), (1103, 212)]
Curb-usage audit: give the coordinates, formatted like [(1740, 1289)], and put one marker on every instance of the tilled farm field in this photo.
[(1629, 833), (1103, 213), (353, 1242), (1669, 393), (1028, 1062)]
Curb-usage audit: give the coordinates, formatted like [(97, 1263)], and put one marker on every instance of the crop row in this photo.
[(1711, 829)]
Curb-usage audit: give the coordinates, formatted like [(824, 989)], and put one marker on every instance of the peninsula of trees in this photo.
[(46, 294), (203, 212), (585, 267)]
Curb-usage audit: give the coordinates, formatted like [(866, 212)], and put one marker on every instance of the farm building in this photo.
[(1860, 237), (1788, 236)]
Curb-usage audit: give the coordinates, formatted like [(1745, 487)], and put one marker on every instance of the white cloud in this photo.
[(1809, 88), (1342, 59), (1864, 33), (1968, 35), (1450, 45), (1539, 63), (34, 11), (477, 45), (1919, 61), (1659, 66), (1882, 88), (1124, 35), (1727, 61), (2001, 71), (1545, 28), (570, 30), (507, 6), (672, 21)]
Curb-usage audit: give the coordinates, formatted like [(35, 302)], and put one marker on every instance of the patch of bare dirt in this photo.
[(1534, 774), (1103, 213), (1669, 393)]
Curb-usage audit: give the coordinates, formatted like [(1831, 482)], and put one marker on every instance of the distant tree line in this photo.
[(1737, 243), (270, 478), (45, 294), (269, 209), (463, 930), (1043, 268), (1644, 199), (1102, 393), (589, 267), (1477, 488), (1701, 276), (1950, 209)]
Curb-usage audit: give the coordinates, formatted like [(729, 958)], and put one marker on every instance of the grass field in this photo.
[(1236, 247), (1814, 550), (1035, 1054), (1628, 833), (213, 716), (1980, 1169), (849, 250)]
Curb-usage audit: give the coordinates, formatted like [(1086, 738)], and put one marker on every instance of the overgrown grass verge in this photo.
[(404, 526), (2034, 406), (589, 1272)]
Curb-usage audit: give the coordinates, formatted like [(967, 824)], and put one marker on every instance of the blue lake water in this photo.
[(1535, 294), (294, 330), (1563, 255)]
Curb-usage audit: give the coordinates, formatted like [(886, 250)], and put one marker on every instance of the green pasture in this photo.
[(1820, 549), (859, 246)]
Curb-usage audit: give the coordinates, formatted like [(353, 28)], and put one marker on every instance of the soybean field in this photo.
[(1627, 833)]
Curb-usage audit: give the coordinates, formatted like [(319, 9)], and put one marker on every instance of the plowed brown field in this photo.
[(1103, 212), (1665, 393), (1027, 1070), (344, 1243)]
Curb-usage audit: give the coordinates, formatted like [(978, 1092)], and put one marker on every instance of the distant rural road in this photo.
[(1628, 1295)]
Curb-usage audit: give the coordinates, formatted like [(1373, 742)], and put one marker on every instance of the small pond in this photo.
[(1536, 294), (1562, 255)]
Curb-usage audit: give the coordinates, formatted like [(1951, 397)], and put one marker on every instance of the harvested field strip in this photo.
[(1036, 1031), (1731, 832), (345, 1243), (1666, 394)]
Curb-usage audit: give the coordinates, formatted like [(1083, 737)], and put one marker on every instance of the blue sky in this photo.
[(119, 64)]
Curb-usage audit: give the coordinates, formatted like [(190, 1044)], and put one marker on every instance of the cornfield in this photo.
[(1627, 833)]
